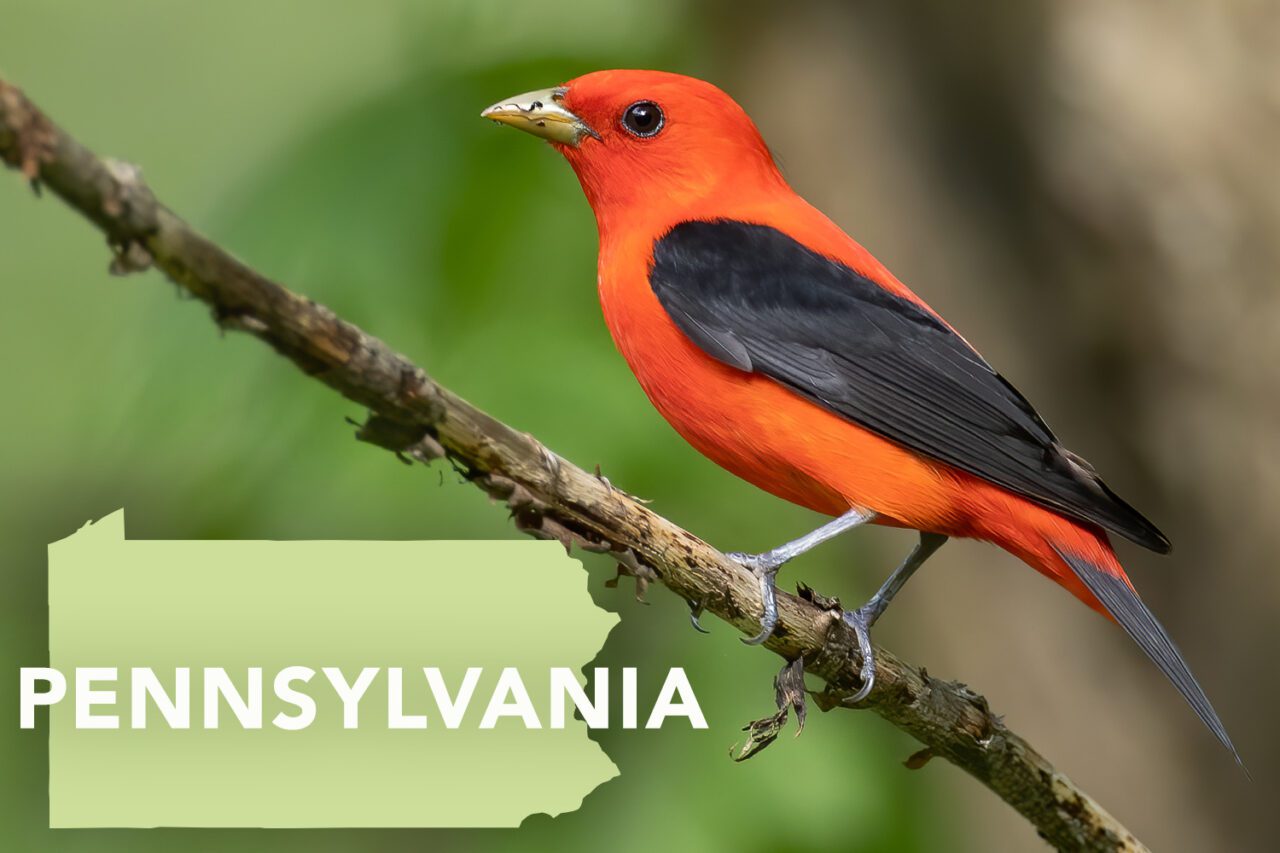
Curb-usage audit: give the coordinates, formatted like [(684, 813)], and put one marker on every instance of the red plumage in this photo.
[(745, 422), (837, 388)]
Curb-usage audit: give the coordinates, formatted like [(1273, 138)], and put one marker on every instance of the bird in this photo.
[(781, 349)]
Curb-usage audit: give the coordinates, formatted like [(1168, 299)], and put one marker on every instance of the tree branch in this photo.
[(549, 497)]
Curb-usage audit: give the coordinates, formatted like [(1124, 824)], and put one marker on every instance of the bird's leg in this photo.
[(765, 566), (864, 617)]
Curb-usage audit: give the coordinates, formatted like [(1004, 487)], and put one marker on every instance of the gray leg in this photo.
[(765, 566), (865, 616)]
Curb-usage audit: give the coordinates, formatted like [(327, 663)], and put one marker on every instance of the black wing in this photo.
[(758, 300)]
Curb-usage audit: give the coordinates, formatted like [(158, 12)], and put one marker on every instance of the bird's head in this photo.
[(640, 139)]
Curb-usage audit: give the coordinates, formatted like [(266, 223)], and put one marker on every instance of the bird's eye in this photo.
[(643, 119)]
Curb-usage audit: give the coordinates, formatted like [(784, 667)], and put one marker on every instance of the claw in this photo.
[(550, 460), (765, 571), (858, 621), (695, 612), (769, 618)]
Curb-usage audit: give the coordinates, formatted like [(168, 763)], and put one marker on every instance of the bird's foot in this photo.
[(860, 621), (765, 567)]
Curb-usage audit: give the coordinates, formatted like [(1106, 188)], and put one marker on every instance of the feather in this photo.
[(1123, 603)]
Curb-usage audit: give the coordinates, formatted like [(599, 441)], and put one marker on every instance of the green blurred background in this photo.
[(1088, 189)]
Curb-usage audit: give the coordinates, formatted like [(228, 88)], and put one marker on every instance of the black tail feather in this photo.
[(1124, 604)]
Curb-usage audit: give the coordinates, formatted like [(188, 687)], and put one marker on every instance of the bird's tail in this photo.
[(1112, 589), (1081, 560)]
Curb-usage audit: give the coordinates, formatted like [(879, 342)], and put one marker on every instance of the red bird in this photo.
[(783, 351)]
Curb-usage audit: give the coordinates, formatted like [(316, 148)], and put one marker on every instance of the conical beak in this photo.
[(542, 114)]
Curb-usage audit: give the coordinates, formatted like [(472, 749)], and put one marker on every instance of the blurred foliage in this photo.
[(337, 147)]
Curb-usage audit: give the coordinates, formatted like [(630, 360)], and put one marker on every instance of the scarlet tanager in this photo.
[(782, 350)]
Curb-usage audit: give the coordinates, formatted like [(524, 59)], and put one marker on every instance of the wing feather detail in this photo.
[(758, 300)]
